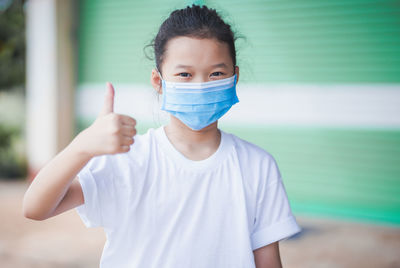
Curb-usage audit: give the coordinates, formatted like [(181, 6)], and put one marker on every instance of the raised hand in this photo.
[(110, 133)]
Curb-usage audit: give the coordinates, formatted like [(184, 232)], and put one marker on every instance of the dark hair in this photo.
[(193, 21)]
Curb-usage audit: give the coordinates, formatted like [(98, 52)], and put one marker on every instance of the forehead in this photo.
[(196, 52)]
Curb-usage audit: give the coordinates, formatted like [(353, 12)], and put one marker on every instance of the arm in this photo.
[(55, 183), (268, 256), (55, 189)]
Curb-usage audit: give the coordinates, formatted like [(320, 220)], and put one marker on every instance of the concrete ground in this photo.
[(64, 242)]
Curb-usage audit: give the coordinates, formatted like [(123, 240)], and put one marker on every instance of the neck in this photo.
[(194, 144)]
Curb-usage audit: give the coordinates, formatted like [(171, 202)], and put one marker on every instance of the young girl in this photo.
[(186, 194)]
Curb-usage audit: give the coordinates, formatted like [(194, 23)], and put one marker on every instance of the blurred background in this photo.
[(319, 89)]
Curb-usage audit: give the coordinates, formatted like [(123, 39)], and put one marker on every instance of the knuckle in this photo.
[(119, 119), (133, 132)]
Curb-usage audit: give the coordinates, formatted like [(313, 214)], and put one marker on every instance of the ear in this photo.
[(237, 73), (155, 80)]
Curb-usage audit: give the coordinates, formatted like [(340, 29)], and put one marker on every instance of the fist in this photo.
[(110, 133)]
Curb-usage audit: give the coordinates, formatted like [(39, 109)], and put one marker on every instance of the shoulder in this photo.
[(257, 162), (250, 150)]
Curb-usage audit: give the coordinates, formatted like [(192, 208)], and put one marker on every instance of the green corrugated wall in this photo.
[(286, 41), (345, 172)]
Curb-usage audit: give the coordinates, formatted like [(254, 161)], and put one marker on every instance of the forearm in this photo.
[(52, 182), (268, 256)]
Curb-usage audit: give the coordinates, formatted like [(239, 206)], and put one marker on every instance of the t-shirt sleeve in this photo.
[(274, 220), (96, 179)]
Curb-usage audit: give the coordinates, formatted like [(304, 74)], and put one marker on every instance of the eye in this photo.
[(217, 74), (184, 74)]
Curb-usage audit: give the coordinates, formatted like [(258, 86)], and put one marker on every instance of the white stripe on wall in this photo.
[(310, 105)]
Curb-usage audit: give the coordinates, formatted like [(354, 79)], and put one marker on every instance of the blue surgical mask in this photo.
[(198, 105)]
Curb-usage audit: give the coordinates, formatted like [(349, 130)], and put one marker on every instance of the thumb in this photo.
[(108, 106)]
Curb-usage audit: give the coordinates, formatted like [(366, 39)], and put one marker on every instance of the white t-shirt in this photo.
[(160, 209)]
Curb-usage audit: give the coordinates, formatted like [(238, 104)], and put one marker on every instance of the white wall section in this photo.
[(376, 106)]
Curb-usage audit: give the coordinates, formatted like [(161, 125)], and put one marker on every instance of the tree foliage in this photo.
[(12, 43)]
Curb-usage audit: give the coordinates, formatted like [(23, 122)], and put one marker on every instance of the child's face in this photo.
[(189, 59)]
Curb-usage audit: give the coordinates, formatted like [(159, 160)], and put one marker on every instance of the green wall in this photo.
[(313, 41)]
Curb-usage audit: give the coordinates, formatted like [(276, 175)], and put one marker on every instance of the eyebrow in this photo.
[(183, 66), (223, 65)]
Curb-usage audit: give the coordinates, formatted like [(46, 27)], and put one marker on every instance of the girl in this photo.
[(186, 194)]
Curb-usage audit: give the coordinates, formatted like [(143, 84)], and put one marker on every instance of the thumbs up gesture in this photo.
[(110, 133)]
